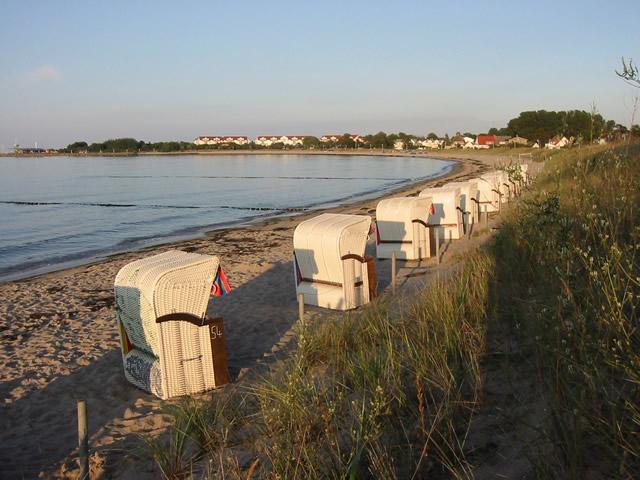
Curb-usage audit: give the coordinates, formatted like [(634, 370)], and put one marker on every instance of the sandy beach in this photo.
[(59, 342)]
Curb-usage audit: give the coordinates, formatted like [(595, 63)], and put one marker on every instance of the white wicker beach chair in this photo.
[(469, 201), (491, 191), (500, 181), (402, 228), (331, 270), (170, 346), (446, 215)]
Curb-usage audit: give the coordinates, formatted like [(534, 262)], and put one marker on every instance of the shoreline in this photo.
[(59, 342), (36, 270)]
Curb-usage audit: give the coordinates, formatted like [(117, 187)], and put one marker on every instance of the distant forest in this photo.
[(536, 126)]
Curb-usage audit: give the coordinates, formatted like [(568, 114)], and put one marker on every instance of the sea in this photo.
[(58, 212)]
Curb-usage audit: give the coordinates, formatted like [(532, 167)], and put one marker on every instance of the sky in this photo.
[(157, 71)]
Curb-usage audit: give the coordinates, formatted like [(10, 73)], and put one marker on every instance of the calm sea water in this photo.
[(56, 212)]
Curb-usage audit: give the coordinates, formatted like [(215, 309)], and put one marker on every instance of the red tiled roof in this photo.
[(486, 140)]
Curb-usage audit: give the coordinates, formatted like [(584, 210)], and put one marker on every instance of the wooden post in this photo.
[(437, 235), (486, 218), (83, 440), (469, 225), (393, 272), (301, 308)]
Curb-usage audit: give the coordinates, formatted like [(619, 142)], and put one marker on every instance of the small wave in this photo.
[(133, 205), (256, 177)]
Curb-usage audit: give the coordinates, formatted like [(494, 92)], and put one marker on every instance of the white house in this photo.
[(330, 138), (428, 143), (557, 142), (289, 140), (359, 139), (218, 140), (241, 140), (212, 140)]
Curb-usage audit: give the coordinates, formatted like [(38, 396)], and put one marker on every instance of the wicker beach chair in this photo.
[(445, 217), (469, 201), (331, 270), (170, 346), (402, 228), (500, 181), (490, 190)]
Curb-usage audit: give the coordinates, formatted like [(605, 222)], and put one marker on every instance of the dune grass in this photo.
[(390, 391), (576, 243)]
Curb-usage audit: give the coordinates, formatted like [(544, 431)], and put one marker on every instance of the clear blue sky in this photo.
[(157, 70)]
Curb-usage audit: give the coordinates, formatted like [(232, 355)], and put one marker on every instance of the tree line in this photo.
[(536, 126), (542, 125)]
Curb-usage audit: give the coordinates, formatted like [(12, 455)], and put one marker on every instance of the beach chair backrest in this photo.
[(446, 204), (395, 217), (468, 191), (498, 181), (321, 242)]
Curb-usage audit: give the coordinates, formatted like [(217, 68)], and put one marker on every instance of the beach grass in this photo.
[(576, 242), (395, 389), (376, 392)]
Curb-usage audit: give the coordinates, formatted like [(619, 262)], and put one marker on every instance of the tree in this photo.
[(310, 142), (77, 146), (379, 140), (97, 147), (539, 125), (629, 73), (578, 124), (432, 136), (121, 145), (346, 141)]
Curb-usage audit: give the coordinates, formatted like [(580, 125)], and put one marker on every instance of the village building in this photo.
[(557, 143), (219, 140), (486, 141), (428, 143), (359, 139), (515, 141), (288, 140), (330, 138), (502, 140)]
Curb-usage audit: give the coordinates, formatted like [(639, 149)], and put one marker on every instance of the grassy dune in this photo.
[(399, 389)]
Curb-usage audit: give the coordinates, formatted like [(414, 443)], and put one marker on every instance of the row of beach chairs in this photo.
[(170, 347)]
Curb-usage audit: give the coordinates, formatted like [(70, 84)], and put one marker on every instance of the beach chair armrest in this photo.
[(188, 317), (353, 256), (421, 222)]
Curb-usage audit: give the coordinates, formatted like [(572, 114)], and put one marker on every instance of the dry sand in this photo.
[(59, 342)]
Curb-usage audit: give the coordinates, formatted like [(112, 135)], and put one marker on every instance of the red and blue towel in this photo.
[(220, 284)]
